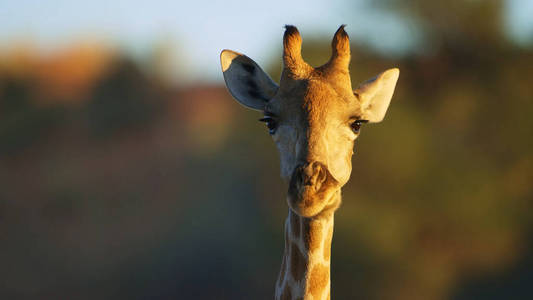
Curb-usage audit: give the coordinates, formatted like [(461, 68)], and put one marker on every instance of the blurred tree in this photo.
[(21, 122), (122, 99)]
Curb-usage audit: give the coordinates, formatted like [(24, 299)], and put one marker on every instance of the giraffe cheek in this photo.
[(287, 147), (341, 169), (286, 161)]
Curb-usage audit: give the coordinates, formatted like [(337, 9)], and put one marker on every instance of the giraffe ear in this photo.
[(376, 93), (245, 80)]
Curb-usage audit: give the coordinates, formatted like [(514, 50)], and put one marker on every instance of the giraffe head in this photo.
[(313, 116)]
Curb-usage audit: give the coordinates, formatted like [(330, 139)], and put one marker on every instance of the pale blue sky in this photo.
[(201, 28)]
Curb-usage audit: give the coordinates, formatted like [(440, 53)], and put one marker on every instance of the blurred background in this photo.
[(128, 172)]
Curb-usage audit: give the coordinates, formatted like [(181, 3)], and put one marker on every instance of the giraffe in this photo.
[(314, 117)]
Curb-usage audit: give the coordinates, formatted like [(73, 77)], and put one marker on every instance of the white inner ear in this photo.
[(246, 81), (375, 94)]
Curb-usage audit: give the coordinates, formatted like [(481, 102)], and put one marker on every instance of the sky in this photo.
[(200, 29)]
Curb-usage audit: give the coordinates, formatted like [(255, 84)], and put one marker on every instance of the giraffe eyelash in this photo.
[(270, 123)]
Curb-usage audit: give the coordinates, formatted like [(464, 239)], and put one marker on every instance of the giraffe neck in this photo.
[(305, 269)]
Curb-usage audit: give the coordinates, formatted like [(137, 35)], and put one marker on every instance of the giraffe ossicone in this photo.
[(314, 117)]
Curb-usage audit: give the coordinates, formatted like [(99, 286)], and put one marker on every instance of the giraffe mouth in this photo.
[(311, 189)]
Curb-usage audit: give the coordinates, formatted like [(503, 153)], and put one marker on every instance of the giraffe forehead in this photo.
[(321, 102), (313, 101)]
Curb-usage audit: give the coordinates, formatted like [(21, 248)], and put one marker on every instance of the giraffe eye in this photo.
[(356, 125), (270, 123)]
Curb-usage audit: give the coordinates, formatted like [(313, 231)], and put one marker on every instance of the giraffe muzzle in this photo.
[(311, 189)]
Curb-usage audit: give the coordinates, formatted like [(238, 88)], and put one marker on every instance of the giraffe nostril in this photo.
[(322, 175), (307, 173), (319, 175), (311, 174)]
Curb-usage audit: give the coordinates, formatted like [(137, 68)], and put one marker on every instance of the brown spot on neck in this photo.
[(298, 263), (312, 233), (318, 281)]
